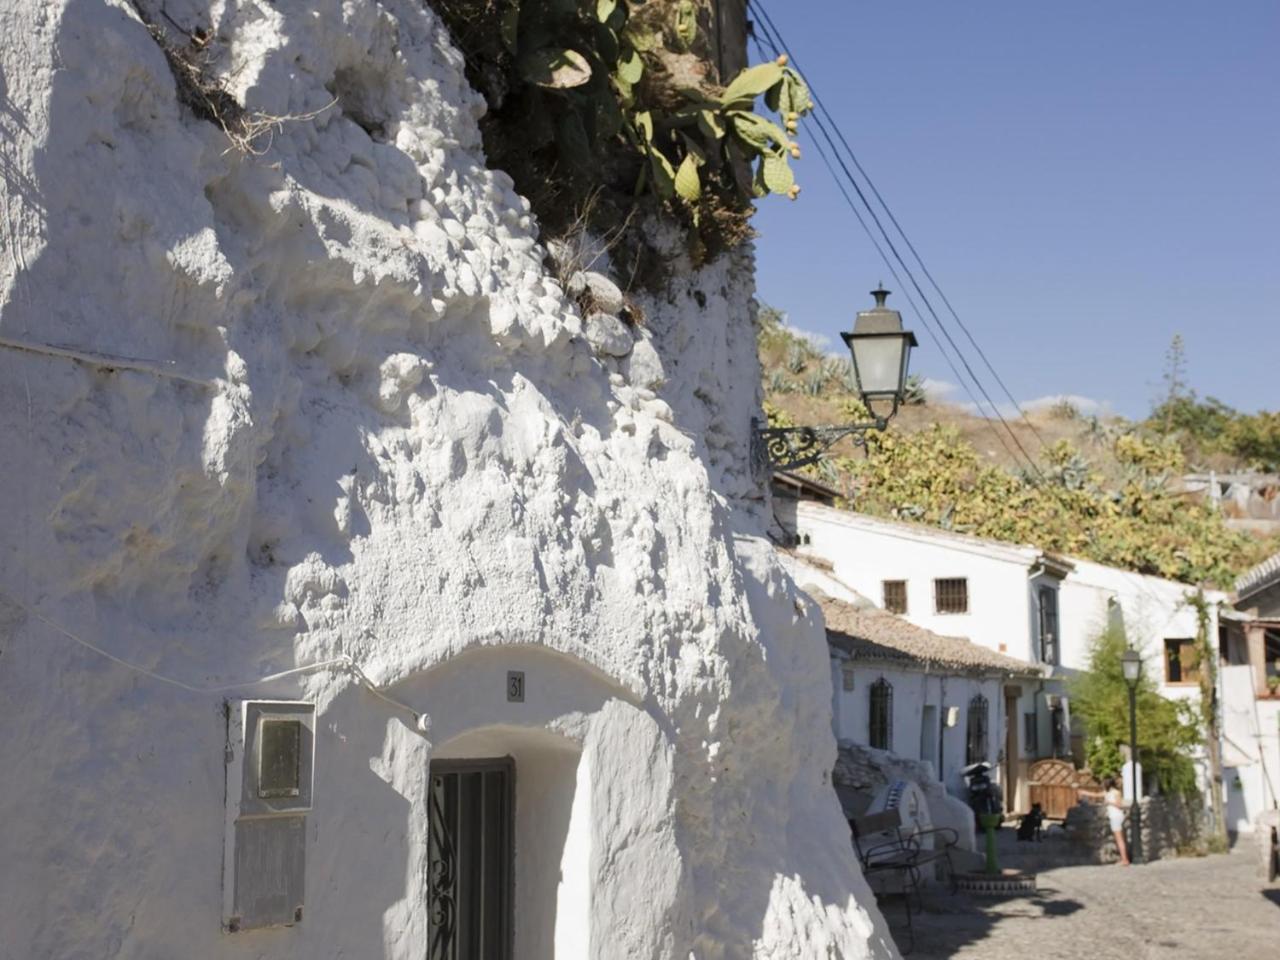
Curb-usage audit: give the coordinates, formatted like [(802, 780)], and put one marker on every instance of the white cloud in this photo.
[(819, 341), (938, 390), (1086, 405), (943, 391)]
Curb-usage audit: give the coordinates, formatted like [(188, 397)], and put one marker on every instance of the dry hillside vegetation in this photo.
[(1101, 488)]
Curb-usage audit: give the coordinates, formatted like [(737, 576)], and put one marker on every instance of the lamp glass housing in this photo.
[(1131, 665), (880, 363)]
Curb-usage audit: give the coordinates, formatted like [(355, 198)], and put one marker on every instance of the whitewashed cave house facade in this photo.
[(358, 595)]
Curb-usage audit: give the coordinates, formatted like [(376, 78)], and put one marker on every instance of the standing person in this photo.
[(1115, 804)]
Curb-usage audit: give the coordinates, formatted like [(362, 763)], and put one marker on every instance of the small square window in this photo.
[(895, 595), (280, 758), (951, 595)]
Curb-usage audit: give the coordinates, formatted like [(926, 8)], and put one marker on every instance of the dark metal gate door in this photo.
[(469, 894)]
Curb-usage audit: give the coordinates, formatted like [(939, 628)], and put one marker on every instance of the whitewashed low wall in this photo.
[(1251, 749)]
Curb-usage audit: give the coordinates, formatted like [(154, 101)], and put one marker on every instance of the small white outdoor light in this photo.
[(1131, 666), (881, 351)]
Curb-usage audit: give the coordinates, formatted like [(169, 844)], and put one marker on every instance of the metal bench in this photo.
[(883, 846)]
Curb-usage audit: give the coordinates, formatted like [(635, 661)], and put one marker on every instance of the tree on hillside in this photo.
[(1167, 729), (1175, 376), (1207, 427)]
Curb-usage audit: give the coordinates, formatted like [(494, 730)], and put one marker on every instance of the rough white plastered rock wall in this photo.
[(361, 419)]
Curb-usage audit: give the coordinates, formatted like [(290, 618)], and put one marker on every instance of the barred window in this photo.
[(976, 739), (1048, 625), (951, 595), (1031, 730), (880, 728), (1058, 730), (895, 595)]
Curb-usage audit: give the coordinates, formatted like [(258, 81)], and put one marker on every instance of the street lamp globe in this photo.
[(1131, 665), (881, 350)]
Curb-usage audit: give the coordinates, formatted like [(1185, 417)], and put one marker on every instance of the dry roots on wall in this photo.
[(370, 425)]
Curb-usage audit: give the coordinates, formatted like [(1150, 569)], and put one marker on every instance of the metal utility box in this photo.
[(270, 764)]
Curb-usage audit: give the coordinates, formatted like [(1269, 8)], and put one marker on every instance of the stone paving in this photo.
[(1207, 908)]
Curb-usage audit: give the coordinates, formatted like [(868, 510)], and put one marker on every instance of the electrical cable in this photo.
[(1037, 478), (898, 279), (770, 26), (344, 662), (774, 39)]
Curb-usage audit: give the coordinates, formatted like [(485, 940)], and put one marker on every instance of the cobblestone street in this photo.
[(1210, 908)]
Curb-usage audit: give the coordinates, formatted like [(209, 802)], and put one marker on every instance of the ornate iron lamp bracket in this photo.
[(788, 448)]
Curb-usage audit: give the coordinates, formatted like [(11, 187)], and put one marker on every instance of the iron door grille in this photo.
[(976, 740), (880, 720), (469, 891)]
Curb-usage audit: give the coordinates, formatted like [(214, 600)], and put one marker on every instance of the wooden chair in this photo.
[(883, 848)]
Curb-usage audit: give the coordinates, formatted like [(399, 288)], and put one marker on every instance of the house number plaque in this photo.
[(515, 686)]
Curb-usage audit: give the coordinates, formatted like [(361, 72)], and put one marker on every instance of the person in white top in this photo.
[(1115, 804)]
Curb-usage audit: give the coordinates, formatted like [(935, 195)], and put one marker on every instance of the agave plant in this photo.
[(779, 382), (914, 395), (797, 358), (836, 368)]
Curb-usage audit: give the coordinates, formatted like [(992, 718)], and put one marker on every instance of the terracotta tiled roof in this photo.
[(869, 633), (1260, 577)]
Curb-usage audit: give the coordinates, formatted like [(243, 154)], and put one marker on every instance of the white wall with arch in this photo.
[(583, 751)]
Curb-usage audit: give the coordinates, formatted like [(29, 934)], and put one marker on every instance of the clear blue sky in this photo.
[(1083, 179)]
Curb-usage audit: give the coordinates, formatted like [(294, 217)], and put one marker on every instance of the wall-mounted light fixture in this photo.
[(880, 350)]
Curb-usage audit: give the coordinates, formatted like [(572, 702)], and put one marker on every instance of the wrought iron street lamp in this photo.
[(881, 351), (1131, 666)]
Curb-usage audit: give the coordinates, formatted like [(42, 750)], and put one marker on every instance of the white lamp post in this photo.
[(1131, 667)]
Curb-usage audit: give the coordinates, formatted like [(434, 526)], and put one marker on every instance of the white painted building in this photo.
[(904, 689), (1251, 696), (359, 597), (1013, 599)]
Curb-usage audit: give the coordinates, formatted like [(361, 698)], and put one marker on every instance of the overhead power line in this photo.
[(853, 157), (893, 271), (773, 38)]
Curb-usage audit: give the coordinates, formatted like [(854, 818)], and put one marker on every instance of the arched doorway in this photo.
[(509, 847)]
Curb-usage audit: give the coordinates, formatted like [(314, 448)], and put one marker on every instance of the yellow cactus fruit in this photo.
[(794, 191), (795, 150), (782, 60)]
